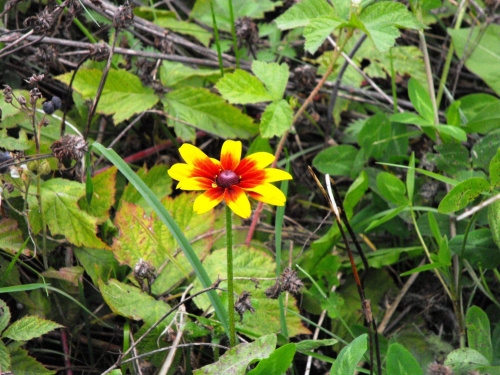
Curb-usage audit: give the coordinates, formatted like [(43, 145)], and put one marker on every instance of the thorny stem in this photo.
[(230, 281)]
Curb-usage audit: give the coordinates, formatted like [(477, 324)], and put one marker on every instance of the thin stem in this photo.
[(230, 281), (393, 80), (233, 32), (216, 35)]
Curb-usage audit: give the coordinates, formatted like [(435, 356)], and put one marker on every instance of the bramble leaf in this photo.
[(11, 237), (103, 197), (276, 119), (23, 364), (303, 12), (318, 30), (29, 327), (241, 87), (273, 75)]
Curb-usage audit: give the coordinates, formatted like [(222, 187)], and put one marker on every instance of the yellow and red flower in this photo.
[(229, 179)]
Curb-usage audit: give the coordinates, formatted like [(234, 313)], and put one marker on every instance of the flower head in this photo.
[(229, 179)]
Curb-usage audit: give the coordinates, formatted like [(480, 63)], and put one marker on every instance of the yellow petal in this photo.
[(273, 175), (208, 200), (238, 202), (181, 171), (192, 155), (230, 155), (259, 160), (195, 183), (267, 193)]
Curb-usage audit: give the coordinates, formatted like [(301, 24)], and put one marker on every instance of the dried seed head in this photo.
[(44, 168), (123, 16), (290, 282), (22, 100), (438, 369), (246, 30), (304, 78), (243, 304), (273, 292), (69, 147), (35, 94), (144, 271), (7, 92), (99, 52)]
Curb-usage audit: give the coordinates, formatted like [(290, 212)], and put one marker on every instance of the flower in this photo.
[(228, 179)]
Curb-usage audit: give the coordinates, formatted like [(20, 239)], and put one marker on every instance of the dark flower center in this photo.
[(227, 179)]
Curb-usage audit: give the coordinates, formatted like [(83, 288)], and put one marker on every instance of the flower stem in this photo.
[(230, 286)]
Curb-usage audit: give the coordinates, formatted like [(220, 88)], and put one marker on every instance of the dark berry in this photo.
[(227, 179), (56, 101), (48, 108)]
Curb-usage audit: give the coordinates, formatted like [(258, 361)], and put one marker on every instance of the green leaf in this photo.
[(303, 12), (421, 100), (186, 28), (388, 215), (452, 158), (355, 192), (479, 332), (410, 178), (11, 237), (460, 196), (318, 30), (29, 327), (241, 87), (156, 179), (308, 345), (349, 356), (425, 267), (485, 149), (123, 94), (4, 357), (276, 119), (381, 20), (103, 196), (478, 249), (444, 254), (63, 216), (273, 75), (391, 188), (98, 263), (435, 228), (452, 131), (23, 364), (495, 170), (236, 360), (480, 51), (480, 111), (387, 257), (401, 362), (10, 143), (208, 112), (249, 262), (494, 221), (277, 363), (4, 315), (410, 118), (172, 73), (465, 359), (336, 160), (373, 135)]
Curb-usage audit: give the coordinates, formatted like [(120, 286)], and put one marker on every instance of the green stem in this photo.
[(230, 286), (393, 79), (217, 42), (233, 32)]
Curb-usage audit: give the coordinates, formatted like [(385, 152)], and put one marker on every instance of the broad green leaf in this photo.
[(63, 216), (4, 316), (303, 12), (465, 359), (342, 8), (208, 112), (387, 257), (276, 119), (480, 51), (494, 221), (421, 100), (249, 262), (11, 237), (349, 356), (433, 224), (98, 263), (453, 114), (478, 249), (4, 357), (452, 158), (452, 131), (495, 170), (146, 237), (410, 118), (485, 149), (103, 197), (444, 254), (186, 28), (410, 178), (425, 267), (336, 160), (479, 332), (391, 188), (401, 362), (465, 192), (273, 75), (318, 30), (123, 94), (29, 327), (381, 21), (172, 73), (308, 345), (241, 87), (236, 360), (355, 192), (157, 179), (373, 136), (480, 111), (388, 215), (277, 363), (23, 364), (71, 276), (11, 143)]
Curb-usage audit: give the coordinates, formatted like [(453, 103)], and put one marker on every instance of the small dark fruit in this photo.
[(56, 101), (48, 108)]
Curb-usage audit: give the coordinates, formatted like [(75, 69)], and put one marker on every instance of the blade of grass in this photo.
[(165, 217), (233, 32), (216, 36)]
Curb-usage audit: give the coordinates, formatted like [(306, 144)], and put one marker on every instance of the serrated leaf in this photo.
[(123, 94), (277, 363), (460, 196), (171, 73), (63, 216), (241, 87), (98, 263), (236, 360), (103, 196), (401, 362), (4, 315), (71, 276), (273, 75), (29, 327), (303, 12), (479, 332), (381, 21), (276, 119), (207, 112), (318, 30), (4, 358), (157, 179), (11, 237), (23, 364), (336, 160), (249, 262), (10, 143), (349, 356), (135, 242)]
